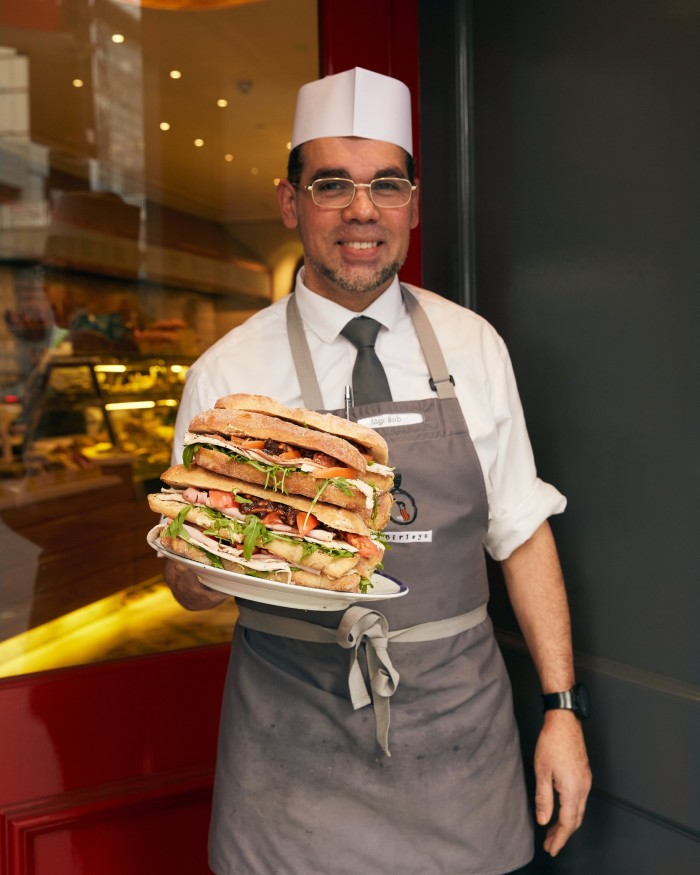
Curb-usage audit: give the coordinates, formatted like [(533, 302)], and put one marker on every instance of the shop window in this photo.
[(140, 143)]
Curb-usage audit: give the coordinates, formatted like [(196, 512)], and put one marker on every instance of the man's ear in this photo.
[(415, 207), (287, 198)]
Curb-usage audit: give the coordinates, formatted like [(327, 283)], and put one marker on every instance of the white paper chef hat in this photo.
[(356, 103)]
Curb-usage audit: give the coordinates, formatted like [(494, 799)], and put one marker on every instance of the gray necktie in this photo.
[(369, 382)]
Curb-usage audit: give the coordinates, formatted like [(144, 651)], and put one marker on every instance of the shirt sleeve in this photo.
[(519, 501), (198, 395)]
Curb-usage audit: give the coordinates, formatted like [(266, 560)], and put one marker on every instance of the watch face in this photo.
[(582, 702)]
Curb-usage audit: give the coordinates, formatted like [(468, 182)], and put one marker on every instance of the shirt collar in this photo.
[(327, 319)]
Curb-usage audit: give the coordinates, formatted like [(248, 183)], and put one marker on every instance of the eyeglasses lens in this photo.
[(339, 193)]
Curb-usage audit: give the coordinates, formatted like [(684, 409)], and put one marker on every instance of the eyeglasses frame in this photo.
[(367, 185)]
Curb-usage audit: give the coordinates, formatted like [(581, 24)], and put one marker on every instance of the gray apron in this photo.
[(303, 786)]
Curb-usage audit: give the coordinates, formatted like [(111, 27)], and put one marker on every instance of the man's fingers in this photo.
[(544, 799)]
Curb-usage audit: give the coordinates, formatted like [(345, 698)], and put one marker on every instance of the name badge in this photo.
[(391, 420), (406, 537)]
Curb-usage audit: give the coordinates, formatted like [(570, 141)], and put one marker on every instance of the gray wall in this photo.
[(576, 139)]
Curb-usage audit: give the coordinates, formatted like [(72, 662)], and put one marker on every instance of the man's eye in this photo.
[(386, 184), (329, 186)]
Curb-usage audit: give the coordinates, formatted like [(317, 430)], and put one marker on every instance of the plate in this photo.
[(287, 595)]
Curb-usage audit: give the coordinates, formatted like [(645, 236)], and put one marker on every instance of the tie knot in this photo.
[(362, 331)]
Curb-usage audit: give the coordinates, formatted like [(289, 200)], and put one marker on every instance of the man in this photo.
[(302, 786)]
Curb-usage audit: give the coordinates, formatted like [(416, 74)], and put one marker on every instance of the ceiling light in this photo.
[(277, 181), (289, 147), (199, 142), (78, 83), (117, 37), (222, 102), (228, 157), (175, 74), (254, 171), (165, 126)]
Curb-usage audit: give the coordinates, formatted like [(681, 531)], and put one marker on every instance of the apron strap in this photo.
[(364, 627), (306, 373), (440, 379)]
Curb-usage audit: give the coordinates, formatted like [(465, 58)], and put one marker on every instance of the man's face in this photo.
[(352, 254)]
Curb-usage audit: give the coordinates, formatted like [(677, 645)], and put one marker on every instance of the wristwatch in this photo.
[(576, 699)]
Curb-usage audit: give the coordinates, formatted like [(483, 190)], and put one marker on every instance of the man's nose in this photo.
[(361, 208)]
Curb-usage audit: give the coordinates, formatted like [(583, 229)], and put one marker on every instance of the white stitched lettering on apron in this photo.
[(392, 420), (413, 537)]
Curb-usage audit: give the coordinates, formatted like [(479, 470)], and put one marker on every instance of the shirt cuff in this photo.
[(506, 533)]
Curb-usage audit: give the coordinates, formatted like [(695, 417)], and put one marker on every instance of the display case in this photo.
[(95, 435), (78, 410)]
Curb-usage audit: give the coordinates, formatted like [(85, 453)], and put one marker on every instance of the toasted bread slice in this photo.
[(243, 424), (330, 515), (375, 515), (358, 434)]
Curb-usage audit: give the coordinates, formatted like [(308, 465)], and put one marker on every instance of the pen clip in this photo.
[(349, 402)]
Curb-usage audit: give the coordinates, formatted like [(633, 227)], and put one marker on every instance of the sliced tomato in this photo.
[(306, 522), (290, 454), (328, 473), (251, 444), (272, 518), (365, 546), (219, 499)]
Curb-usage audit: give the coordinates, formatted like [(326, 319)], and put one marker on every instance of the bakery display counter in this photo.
[(94, 436), (92, 409)]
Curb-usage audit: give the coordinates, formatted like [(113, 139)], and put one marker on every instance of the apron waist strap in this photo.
[(364, 627)]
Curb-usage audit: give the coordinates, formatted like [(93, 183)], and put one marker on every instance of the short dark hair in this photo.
[(295, 165)]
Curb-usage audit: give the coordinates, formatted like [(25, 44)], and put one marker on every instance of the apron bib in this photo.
[(302, 787)]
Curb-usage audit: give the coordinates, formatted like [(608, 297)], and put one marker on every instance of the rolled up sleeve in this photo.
[(511, 529), (519, 501)]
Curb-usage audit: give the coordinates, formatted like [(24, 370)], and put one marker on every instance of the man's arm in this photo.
[(188, 590), (536, 589)]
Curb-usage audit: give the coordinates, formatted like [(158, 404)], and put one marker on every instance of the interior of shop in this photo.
[(139, 153)]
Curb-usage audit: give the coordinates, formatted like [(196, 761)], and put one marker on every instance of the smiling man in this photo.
[(420, 772)]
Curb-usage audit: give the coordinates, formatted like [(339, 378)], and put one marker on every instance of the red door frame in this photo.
[(102, 766), (379, 35)]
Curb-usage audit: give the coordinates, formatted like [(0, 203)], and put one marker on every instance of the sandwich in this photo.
[(235, 525), (293, 451)]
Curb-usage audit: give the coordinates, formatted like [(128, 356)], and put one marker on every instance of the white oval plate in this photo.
[(287, 595)]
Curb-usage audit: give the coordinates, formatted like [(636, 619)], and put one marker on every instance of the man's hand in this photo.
[(561, 766), (187, 588)]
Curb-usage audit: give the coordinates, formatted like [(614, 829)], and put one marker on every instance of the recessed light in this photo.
[(78, 83), (175, 74), (164, 126), (228, 157), (199, 142), (289, 147), (276, 181), (222, 102), (117, 37)]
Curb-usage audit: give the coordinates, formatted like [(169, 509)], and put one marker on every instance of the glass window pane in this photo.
[(140, 144)]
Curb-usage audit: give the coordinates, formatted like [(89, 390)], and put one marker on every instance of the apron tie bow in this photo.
[(362, 627)]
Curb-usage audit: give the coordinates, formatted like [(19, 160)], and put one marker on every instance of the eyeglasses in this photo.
[(337, 194)]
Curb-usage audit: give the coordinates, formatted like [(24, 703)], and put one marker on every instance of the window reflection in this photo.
[(139, 148)]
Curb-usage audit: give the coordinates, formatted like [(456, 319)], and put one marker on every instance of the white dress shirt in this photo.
[(256, 358)]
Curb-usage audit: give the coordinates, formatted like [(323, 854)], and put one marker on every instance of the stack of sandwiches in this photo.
[(281, 493)]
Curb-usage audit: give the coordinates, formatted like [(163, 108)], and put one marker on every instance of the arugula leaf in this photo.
[(253, 531), (188, 454), (176, 529), (365, 584)]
